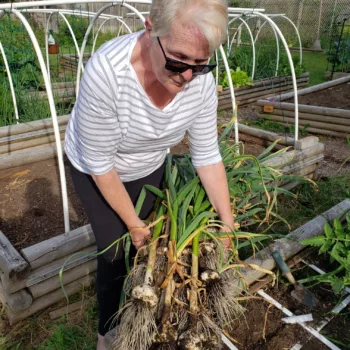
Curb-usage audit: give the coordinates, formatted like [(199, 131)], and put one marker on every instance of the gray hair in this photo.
[(210, 17)]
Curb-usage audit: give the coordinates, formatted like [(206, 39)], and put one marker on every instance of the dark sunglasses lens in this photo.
[(176, 67), (203, 69)]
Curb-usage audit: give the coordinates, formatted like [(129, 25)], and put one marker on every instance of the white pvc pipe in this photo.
[(10, 81), (277, 46), (73, 35), (29, 4), (251, 39), (86, 36), (296, 31), (298, 35), (233, 99), (47, 42), (87, 33), (47, 46), (295, 87), (102, 24), (316, 334), (244, 9), (54, 117), (217, 67)]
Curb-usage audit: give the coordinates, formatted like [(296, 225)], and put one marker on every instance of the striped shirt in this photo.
[(115, 124)]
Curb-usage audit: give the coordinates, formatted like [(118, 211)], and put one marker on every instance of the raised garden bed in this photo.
[(63, 92), (29, 279), (260, 89), (325, 108), (69, 62)]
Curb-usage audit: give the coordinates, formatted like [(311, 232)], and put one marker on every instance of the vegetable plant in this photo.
[(239, 78), (335, 243)]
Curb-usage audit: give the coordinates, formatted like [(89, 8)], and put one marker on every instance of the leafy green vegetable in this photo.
[(239, 78), (335, 242)]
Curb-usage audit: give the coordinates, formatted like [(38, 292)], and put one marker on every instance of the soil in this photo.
[(334, 97), (251, 334), (31, 206)]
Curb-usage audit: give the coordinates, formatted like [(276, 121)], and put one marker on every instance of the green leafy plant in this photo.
[(239, 78), (335, 242)]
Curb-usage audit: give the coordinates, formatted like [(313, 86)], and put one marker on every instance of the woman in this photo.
[(140, 94)]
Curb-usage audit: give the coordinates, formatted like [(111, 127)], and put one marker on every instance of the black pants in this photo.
[(108, 227)]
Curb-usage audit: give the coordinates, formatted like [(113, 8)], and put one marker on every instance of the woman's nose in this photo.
[(187, 75)]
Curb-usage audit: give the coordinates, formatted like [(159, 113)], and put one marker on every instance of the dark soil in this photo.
[(249, 331), (31, 206), (334, 97)]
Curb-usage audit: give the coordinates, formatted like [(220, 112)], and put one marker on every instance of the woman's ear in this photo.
[(148, 26)]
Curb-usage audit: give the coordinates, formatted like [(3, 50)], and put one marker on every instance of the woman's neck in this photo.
[(142, 64)]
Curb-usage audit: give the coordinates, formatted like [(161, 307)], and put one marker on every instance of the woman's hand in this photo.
[(139, 234), (226, 242)]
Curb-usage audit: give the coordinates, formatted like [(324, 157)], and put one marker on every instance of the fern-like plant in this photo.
[(335, 242)]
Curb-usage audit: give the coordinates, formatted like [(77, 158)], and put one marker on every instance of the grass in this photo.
[(74, 331), (316, 64), (311, 201)]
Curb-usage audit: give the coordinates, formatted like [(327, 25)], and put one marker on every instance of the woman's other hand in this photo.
[(139, 234)]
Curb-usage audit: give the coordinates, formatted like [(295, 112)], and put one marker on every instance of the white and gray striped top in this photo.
[(114, 123)]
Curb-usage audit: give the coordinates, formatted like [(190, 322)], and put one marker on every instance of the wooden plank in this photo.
[(47, 140), (270, 81), (57, 93), (314, 117), (295, 156), (8, 140), (315, 88), (54, 315), (28, 156), (304, 171), (242, 92), (71, 275), (50, 299), (257, 95), (57, 247), (47, 271), (18, 301), (12, 263), (302, 122), (265, 135), (31, 126), (244, 101), (65, 84), (288, 246), (327, 132), (257, 141), (331, 112)]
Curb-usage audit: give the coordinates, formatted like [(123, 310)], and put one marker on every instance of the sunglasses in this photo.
[(180, 67)]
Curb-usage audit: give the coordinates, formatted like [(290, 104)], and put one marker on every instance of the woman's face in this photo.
[(184, 43)]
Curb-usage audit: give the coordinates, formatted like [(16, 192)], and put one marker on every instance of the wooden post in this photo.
[(42, 253), (51, 298), (65, 310), (47, 271), (22, 128), (18, 301), (12, 263), (332, 112), (47, 286)]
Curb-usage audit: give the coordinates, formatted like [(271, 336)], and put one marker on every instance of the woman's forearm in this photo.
[(213, 178), (113, 190)]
